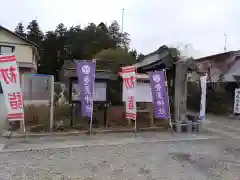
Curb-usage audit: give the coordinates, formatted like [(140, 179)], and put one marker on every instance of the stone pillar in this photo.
[(180, 94)]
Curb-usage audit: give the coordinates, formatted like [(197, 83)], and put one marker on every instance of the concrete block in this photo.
[(194, 126), (189, 126), (178, 126), (200, 126)]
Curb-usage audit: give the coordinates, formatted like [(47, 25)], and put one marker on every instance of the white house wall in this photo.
[(23, 50)]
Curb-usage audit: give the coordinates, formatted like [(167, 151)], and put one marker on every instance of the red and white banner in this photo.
[(10, 81), (129, 85)]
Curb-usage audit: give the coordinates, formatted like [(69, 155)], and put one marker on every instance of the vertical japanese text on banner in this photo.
[(10, 81), (129, 84)]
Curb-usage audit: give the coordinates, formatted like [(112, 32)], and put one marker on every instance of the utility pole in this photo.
[(122, 27), (225, 42)]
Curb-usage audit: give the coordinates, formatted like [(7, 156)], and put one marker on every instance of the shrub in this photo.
[(218, 101), (40, 114)]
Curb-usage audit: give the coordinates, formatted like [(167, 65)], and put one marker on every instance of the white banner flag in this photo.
[(10, 81), (129, 86), (203, 83), (237, 101)]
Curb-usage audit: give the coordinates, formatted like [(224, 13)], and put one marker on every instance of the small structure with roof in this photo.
[(103, 78), (163, 58)]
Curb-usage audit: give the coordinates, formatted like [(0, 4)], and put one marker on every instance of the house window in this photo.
[(6, 49)]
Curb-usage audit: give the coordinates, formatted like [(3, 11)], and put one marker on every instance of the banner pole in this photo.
[(90, 126), (169, 111), (135, 126), (91, 118), (135, 85), (23, 122), (52, 104)]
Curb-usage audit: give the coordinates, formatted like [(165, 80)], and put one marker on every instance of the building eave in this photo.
[(18, 36), (219, 56)]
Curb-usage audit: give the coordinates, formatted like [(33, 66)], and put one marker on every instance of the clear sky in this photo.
[(150, 23)]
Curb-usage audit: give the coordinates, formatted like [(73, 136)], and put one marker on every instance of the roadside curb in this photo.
[(223, 133), (102, 131), (110, 144), (2, 146)]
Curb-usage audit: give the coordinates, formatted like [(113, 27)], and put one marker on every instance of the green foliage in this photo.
[(174, 51), (221, 78), (34, 33), (57, 92), (117, 58), (115, 92), (20, 30), (140, 57), (75, 43), (122, 39), (113, 59), (66, 94), (57, 88), (218, 102), (136, 56)]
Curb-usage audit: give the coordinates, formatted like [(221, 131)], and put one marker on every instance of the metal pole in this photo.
[(169, 111), (135, 85), (90, 126), (135, 125), (93, 95), (225, 42), (51, 103), (122, 26), (23, 122)]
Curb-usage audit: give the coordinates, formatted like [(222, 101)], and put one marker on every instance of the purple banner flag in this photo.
[(86, 80), (159, 94)]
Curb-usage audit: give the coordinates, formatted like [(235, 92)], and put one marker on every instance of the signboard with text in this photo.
[(10, 81), (129, 86), (37, 87), (140, 89), (203, 83), (86, 82), (100, 92), (159, 94), (237, 101)]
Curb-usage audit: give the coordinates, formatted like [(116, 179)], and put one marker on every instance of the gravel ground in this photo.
[(184, 160)]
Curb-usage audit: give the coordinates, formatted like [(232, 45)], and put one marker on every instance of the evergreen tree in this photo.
[(20, 30), (99, 41), (34, 33)]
